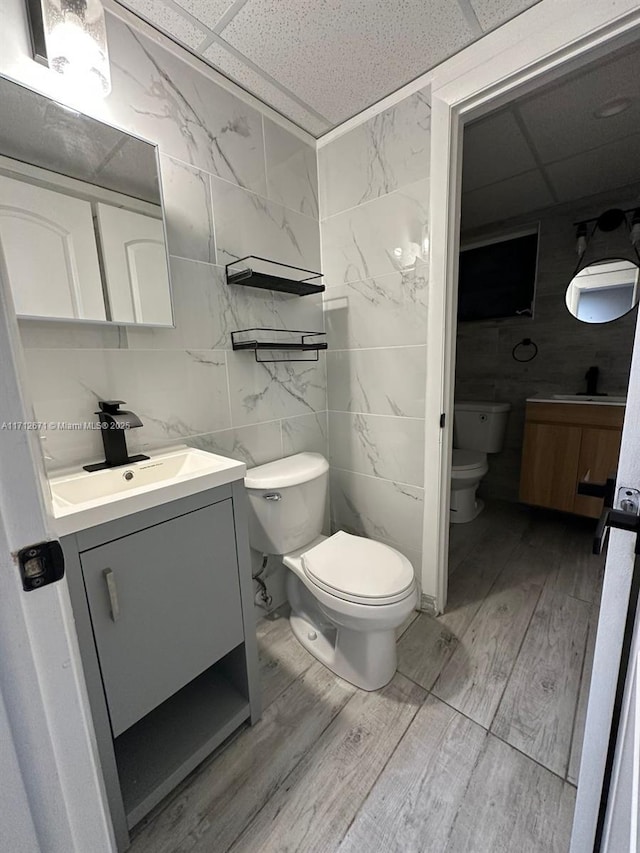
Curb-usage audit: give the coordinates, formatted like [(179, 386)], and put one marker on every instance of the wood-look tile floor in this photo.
[(474, 746)]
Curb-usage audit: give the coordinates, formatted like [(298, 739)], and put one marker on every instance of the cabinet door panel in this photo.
[(179, 608), (549, 465), (599, 452), (50, 248), (135, 265)]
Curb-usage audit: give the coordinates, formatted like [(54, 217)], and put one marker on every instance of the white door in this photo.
[(621, 818), (52, 790), (50, 249), (135, 265), (606, 808)]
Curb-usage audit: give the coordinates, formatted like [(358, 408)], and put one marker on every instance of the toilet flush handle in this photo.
[(273, 496)]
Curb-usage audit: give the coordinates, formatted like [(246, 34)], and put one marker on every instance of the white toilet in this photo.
[(347, 594), (478, 429)]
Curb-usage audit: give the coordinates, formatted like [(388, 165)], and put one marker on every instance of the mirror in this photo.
[(603, 291), (81, 221)]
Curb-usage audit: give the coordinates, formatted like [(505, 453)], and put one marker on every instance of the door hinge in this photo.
[(443, 418)]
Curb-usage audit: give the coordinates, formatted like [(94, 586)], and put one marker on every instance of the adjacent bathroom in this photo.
[(546, 289), (224, 328)]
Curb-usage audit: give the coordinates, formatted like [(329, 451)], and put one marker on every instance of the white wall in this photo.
[(234, 183), (374, 194)]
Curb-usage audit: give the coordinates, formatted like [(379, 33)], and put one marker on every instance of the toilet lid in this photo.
[(355, 566), (467, 460)]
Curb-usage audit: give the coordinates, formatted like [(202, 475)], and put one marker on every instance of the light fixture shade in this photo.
[(70, 36), (635, 229), (581, 239)]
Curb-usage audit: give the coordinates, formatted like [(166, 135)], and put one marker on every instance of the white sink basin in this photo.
[(83, 499)]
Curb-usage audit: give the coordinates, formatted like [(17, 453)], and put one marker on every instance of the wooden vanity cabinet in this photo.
[(565, 443)]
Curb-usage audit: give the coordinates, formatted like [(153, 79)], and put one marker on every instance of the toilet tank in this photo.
[(287, 500), (480, 425)]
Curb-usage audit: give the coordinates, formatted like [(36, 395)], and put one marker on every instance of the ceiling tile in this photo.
[(494, 149), (492, 13), (207, 11), (615, 165), (258, 85), (166, 18), (575, 101), (505, 200), (340, 56)]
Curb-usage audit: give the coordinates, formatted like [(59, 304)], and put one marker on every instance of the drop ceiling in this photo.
[(319, 62), (549, 148)]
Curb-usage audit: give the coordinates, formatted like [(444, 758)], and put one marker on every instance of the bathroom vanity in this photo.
[(568, 440), (162, 597)]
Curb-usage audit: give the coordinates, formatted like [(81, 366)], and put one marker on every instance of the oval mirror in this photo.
[(603, 291)]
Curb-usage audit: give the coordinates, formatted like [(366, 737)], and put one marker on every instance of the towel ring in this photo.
[(525, 342)]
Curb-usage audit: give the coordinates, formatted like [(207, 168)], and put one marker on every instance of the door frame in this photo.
[(529, 51)]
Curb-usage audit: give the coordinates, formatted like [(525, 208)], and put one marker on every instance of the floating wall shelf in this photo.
[(268, 280), (292, 340)]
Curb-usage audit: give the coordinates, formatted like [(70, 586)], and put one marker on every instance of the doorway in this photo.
[(454, 104)]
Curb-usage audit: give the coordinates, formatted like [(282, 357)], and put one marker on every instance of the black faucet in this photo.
[(592, 383), (114, 422)]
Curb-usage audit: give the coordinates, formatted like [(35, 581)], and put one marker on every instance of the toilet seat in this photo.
[(467, 460), (359, 570)]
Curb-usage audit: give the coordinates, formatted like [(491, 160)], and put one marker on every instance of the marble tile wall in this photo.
[(234, 183), (485, 369), (374, 197)]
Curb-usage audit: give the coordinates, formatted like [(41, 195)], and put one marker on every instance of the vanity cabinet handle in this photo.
[(112, 589)]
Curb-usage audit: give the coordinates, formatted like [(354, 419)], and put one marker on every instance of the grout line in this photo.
[(386, 763), (384, 479), (213, 224), (400, 190), (236, 185), (377, 349), (226, 369), (373, 415), (375, 278), (233, 51), (229, 14), (517, 654), (498, 738), (307, 752), (471, 19), (542, 169), (416, 615), (264, 158), (590, 628), (280, 422)]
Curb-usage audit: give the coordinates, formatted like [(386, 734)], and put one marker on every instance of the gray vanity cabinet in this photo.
[(163, 605), (161, 612)]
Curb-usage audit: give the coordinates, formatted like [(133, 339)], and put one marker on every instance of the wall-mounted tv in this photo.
[(497, 278)]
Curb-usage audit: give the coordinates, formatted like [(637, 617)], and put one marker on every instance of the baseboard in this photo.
[(428, 604)]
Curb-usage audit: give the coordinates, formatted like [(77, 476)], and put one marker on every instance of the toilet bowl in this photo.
[(478, 429), (347, 593), (468, 467)]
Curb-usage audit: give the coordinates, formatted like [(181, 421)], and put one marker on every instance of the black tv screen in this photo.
[(498, 279)]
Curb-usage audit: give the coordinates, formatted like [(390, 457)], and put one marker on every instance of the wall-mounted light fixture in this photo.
[(635, 228), (70, 36), (610, 220), (581, 238)]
